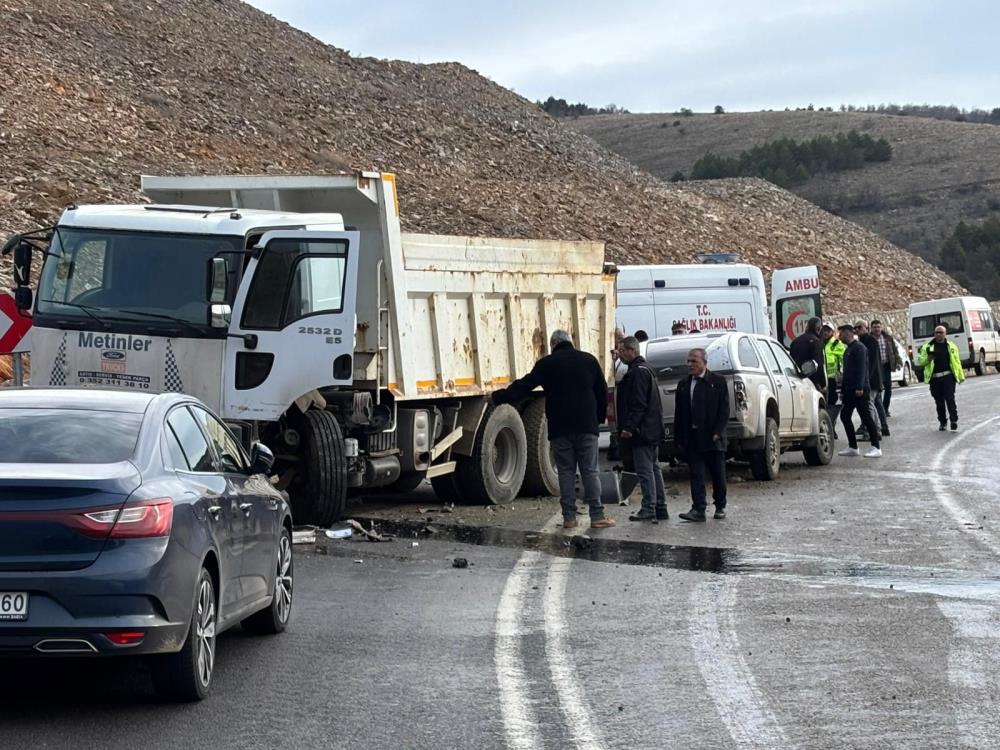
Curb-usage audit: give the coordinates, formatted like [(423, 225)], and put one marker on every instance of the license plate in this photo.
[(13, 605)]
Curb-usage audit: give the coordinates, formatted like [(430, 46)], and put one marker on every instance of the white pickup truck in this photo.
[(297, 309)]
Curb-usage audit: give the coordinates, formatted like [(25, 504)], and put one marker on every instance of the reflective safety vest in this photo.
[(833, 351), (925, 357)]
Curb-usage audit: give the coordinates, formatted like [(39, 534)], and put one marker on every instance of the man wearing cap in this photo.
[(943, 370), (833, 356)]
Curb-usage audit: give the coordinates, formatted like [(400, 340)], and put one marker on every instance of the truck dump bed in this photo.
[(437, 316)]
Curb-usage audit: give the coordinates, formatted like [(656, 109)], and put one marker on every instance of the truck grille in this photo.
[(382, 442)]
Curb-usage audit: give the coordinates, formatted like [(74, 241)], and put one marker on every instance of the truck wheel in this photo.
[(980, 366), (494, 472), (540, 475), (407, 482), (321, 497), (822, 453), (764, 464)]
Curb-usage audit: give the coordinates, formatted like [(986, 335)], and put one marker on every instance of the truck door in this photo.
[(293, 323), (794, 299)]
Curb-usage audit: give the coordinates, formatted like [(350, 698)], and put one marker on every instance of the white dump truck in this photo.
[(297, 309)]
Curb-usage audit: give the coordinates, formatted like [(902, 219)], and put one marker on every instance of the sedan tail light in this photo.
[(147, 518)]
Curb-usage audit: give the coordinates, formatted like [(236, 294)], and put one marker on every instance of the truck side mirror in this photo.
[(218, 280), (22, 263), (23, 298), (219, 316)]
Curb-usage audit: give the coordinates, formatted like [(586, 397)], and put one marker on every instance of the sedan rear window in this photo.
[(67, 436)]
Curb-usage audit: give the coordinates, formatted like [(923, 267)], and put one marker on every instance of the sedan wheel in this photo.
[(187, 675), (274, 618)]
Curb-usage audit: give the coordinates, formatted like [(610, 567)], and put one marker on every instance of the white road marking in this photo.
[(520, 725), (972, 670), (729, 681), (585, 734), (966, 519)]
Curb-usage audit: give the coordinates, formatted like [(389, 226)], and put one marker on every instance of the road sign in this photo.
[(15, 327)]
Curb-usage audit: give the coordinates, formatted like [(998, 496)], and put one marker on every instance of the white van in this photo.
[(712, 298), (970, 322)]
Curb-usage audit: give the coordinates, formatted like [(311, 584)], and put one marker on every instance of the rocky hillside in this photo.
[(94, 93), (941, 172)]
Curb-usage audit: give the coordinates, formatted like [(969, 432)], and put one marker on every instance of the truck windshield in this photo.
[(109, 273)]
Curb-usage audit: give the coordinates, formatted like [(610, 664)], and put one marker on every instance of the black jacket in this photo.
[(874, 361), (638, 406), (810, 346), (709, 411), (856, 375), (576, 391)]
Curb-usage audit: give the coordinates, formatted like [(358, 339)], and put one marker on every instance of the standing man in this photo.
[(576, 402), (809, 346), (874, 376), (701, 412), (833, 356), (855, 390), (888, 361), (640, 429), (943, 370)]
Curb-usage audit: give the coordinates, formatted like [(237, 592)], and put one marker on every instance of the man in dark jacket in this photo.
[(888, 357), (854, 391), (640, 429), (874, 376), (809, 346), (701, 411), (576, 404)]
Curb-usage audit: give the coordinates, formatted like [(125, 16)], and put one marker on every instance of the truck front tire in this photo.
[(321, 497), (540, 474), (494, 473)]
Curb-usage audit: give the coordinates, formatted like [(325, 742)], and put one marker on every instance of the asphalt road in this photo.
[(854, 605)]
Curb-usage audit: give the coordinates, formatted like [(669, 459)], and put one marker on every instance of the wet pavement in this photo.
[(854, 605)]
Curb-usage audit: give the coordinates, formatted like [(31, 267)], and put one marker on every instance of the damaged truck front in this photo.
[(296, 308)]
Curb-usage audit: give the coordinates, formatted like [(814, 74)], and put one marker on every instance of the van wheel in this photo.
[(187, 675), (321, 496), (494, 473), (980, 366), (764, 464), (540, 474), (822, 453)]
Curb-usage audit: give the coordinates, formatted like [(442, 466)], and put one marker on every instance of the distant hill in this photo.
[(941, 172), (90, 100)]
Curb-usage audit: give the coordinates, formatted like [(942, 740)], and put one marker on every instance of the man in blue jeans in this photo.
[(576, 403), (640, 430)]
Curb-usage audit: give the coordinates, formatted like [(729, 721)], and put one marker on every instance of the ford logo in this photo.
[(113, 355)]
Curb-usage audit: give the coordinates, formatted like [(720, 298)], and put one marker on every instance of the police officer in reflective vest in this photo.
[(833, 355), (943, 370)]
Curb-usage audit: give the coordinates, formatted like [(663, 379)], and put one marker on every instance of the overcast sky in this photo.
[(661, 55)]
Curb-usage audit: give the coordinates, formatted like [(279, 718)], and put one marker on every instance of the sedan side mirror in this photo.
[(261, 459)]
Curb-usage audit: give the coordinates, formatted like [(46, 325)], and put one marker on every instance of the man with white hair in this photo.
[(576, 403)]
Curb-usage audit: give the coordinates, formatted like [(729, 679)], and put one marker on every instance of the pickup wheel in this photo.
[(540, 474), (764, 464), (493, 474), (321, 495), (822, 453)]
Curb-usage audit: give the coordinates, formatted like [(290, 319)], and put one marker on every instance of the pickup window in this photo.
[(748, 357)]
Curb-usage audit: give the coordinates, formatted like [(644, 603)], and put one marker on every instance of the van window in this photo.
[(923, 326), (980, 320), (748, 357)]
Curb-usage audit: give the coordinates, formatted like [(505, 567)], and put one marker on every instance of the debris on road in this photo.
[(344, 533), (370, 535), (459, 562), (304, 536)]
